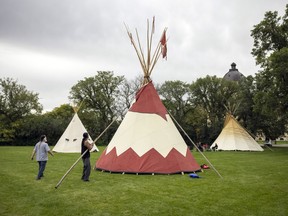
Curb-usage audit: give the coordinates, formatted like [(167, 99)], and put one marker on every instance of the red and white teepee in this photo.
[(147, 141)]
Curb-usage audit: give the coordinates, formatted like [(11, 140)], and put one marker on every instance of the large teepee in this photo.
[(70, 141), (147, 141), (234, 137)]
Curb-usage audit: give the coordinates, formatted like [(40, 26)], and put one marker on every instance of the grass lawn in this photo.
[(254, 183)]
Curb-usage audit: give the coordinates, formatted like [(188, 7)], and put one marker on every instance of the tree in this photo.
[(175, 95), (209, 96), (244, 110), (213, 94), (16, 102), (270, 36), (99, 95), (51, 124), (271, 53), (271, 96), (128, 90)]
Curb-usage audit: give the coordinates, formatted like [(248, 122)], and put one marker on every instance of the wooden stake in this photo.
[(195, 145), (61, 180)]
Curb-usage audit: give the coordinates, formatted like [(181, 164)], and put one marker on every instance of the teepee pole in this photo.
[(68, 171), (149, 63), (195, 145), (268, 147), (148, 45), (140, 51), (139, 55)]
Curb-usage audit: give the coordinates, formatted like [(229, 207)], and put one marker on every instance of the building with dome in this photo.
[(233, 74)]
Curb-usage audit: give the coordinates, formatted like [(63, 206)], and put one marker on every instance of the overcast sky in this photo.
[(50, 45)]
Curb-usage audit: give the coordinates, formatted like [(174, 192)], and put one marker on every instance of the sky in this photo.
[(50, 45)]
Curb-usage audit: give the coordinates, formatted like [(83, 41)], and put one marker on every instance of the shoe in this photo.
[(86, 180)]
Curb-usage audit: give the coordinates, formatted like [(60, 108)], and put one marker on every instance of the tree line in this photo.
[(259, 102)]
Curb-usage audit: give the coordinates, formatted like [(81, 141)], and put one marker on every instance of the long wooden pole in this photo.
[(195, 145), (68, 171)]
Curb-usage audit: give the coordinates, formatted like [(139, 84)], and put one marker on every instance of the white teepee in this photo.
[(234, 137), (70, 141), (147, 141)]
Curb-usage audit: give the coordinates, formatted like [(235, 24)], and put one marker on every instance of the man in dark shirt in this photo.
[(86, 146)]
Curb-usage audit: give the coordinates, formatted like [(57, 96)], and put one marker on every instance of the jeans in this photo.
[(42, 165), (86, 169)]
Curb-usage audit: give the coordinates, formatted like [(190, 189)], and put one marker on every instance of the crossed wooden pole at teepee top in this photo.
[(149, 63), (68, 171), (195, 145)]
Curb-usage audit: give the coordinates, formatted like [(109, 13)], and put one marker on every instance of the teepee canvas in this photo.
[(234, 137), (147, 141), (70, 141)]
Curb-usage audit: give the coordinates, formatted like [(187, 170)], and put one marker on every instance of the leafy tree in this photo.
[(196, 125), (271, 53), (128, 90), (272, 95), (270, 35), (174, 94), (213, 95), (51, 124), (16, 102), (100, 95), (244, 110), (210, 97), (278, 71), (64, 111)]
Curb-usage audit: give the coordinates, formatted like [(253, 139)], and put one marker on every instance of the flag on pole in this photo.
[(164, 45)]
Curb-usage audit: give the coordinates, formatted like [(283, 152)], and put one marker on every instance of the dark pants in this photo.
[(86, 169), (42, 165)]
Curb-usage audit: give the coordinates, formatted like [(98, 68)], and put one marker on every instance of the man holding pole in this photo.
[(86, 146)]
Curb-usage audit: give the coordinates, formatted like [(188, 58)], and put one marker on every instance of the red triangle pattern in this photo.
[(148, 101), (150, 162)]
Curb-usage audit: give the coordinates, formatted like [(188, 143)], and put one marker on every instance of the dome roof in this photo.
[(233, 74)]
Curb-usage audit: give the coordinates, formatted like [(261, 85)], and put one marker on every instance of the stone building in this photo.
[(233, 74)]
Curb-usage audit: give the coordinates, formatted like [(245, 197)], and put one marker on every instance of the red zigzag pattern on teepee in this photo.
[(150, 162)]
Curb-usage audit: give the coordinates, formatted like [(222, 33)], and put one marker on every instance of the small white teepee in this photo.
[(234, 137), (70, 141), (147, 141)]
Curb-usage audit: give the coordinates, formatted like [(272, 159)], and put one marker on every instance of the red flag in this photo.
[(164, 45)]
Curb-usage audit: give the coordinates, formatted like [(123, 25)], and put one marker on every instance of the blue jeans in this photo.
[(42, 165)]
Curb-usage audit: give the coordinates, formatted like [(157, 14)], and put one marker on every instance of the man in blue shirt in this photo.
[(41, 150)]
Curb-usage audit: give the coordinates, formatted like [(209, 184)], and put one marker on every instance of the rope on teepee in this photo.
[(195, 145)]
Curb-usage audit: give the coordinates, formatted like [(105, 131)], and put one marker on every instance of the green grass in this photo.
[(280, 142), (254, 183)]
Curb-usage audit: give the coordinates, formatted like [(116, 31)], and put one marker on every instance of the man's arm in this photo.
[(88, 145), (33, 153)]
